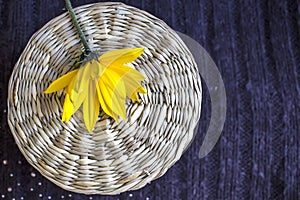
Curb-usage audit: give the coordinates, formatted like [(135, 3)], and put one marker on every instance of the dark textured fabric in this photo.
[(255, 45)]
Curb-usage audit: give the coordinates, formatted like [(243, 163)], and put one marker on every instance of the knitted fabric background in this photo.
[(256, 46)]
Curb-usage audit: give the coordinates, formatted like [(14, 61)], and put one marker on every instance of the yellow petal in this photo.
[(68, 109), (132, 86), (61, 82), (118, 100), (114, 81), (121, 82), (116, 78), (70, 88), (91, 107), (103, 105), (75, 98), (78, 99), (141, 89), (106, 95), (128, 71), (135, 97), (131, 78), (114, 102), (97, 68), (120, 56), (82, 78)]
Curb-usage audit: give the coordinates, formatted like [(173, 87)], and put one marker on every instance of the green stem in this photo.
[(79, 31)]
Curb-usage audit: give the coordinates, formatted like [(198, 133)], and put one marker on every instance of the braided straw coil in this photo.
[(117, 156)]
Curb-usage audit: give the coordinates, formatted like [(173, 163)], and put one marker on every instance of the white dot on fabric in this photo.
[(19, 162), (22, 198), (130, 195), (2, 196), (18, 184), (9, 189), (70, 195), (31, 189), (40, 195), (91, 197), (11, 175), (49, 197), (32, 174), (4, 162), (39, 183), (147, 198), (13, 199), (62, 196)]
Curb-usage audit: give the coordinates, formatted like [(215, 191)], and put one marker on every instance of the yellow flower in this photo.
[(101, 82)]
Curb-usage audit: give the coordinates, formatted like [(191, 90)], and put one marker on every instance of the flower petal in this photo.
[(103, 105), (78, 99), (134, 96), (118, 99), (115, 103), (125, 76), (61, 82), (68, 109), (82, 78), (91, 107), (97, 68), (125, 70), (132, 86), (114, 81), (120, 56)]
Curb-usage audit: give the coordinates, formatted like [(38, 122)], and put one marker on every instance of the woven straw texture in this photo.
[(117, 156)]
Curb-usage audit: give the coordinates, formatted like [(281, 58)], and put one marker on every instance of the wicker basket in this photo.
[(116, 157)]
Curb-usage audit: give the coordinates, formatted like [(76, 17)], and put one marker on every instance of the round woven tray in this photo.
[(117, 156)]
